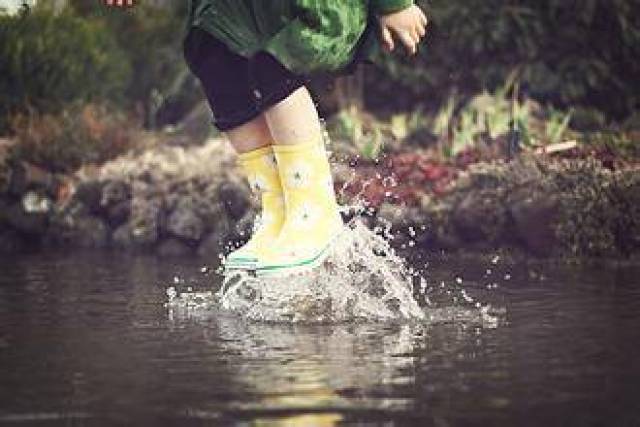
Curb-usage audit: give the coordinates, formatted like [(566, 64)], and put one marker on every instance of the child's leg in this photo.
[(312, 219), (252, 141), (294, 120), (225, 78), (250, 136)]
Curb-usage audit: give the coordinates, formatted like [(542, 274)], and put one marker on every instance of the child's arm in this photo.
[(406, 23)]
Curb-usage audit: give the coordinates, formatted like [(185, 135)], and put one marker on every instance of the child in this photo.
[(252, 58)]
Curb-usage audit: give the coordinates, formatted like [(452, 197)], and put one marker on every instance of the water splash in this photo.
[(363, 280)]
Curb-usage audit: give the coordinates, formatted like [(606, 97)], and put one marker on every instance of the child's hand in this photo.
[(119, 3), (409, 25)]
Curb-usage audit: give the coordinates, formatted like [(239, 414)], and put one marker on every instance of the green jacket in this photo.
[(307, 36)]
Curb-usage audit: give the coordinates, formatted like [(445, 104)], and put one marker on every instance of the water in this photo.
[(87, 339), (362, 280)]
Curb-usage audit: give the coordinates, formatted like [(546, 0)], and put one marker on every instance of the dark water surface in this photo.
[(86, 340)]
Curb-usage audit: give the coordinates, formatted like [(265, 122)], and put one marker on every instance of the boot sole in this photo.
[(245, 264)]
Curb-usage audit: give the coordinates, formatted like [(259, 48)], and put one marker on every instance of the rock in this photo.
[(62, 222), (627, 192), (207, 208), (227, 235), (480, 216), (185, 224), (589, 214), (31, 223), (144, 221), (122, 238), (114, 192), (235, 199), (90, 194), (173, 248), (36, 203), (439, 231), (90, 232), (526, 170), (535, 215), (118, 214), (76, 227), (5, 147), (5, 177), (4, 206), (25, 176), (486, 175), (212, 246), (115, 201)]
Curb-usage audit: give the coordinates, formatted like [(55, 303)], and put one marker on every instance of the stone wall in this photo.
[(176, 200), (538, 205), (171, 200)]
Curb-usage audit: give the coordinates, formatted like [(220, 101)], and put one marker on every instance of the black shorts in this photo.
[(238, 89)]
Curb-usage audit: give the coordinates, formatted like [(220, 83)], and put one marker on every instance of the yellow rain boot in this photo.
[(261, 170), (312, 219)]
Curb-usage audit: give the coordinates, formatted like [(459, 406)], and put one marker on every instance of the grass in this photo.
[(502, 119)]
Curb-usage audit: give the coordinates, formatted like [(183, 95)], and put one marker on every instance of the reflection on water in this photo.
[(312, 370), (87, 340)]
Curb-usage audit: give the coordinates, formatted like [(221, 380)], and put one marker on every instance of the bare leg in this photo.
[(250, 136), (294, 120)]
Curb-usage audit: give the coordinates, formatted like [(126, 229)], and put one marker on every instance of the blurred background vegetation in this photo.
[(566, 52), (489, 68)]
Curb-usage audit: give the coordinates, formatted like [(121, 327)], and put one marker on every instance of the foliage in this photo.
[(566, 52), (490, 117), (76, 136), (359, 129), (369, 136), (88, 52), (623, 145), (151, 39), (49, 60), (489, 122)]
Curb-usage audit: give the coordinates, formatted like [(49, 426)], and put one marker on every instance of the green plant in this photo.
[(365, 133), (150, 37), (465, 132), (444, 117), (491, 116), (557, 125), (520, 115), (568, 54), (50, 60)]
